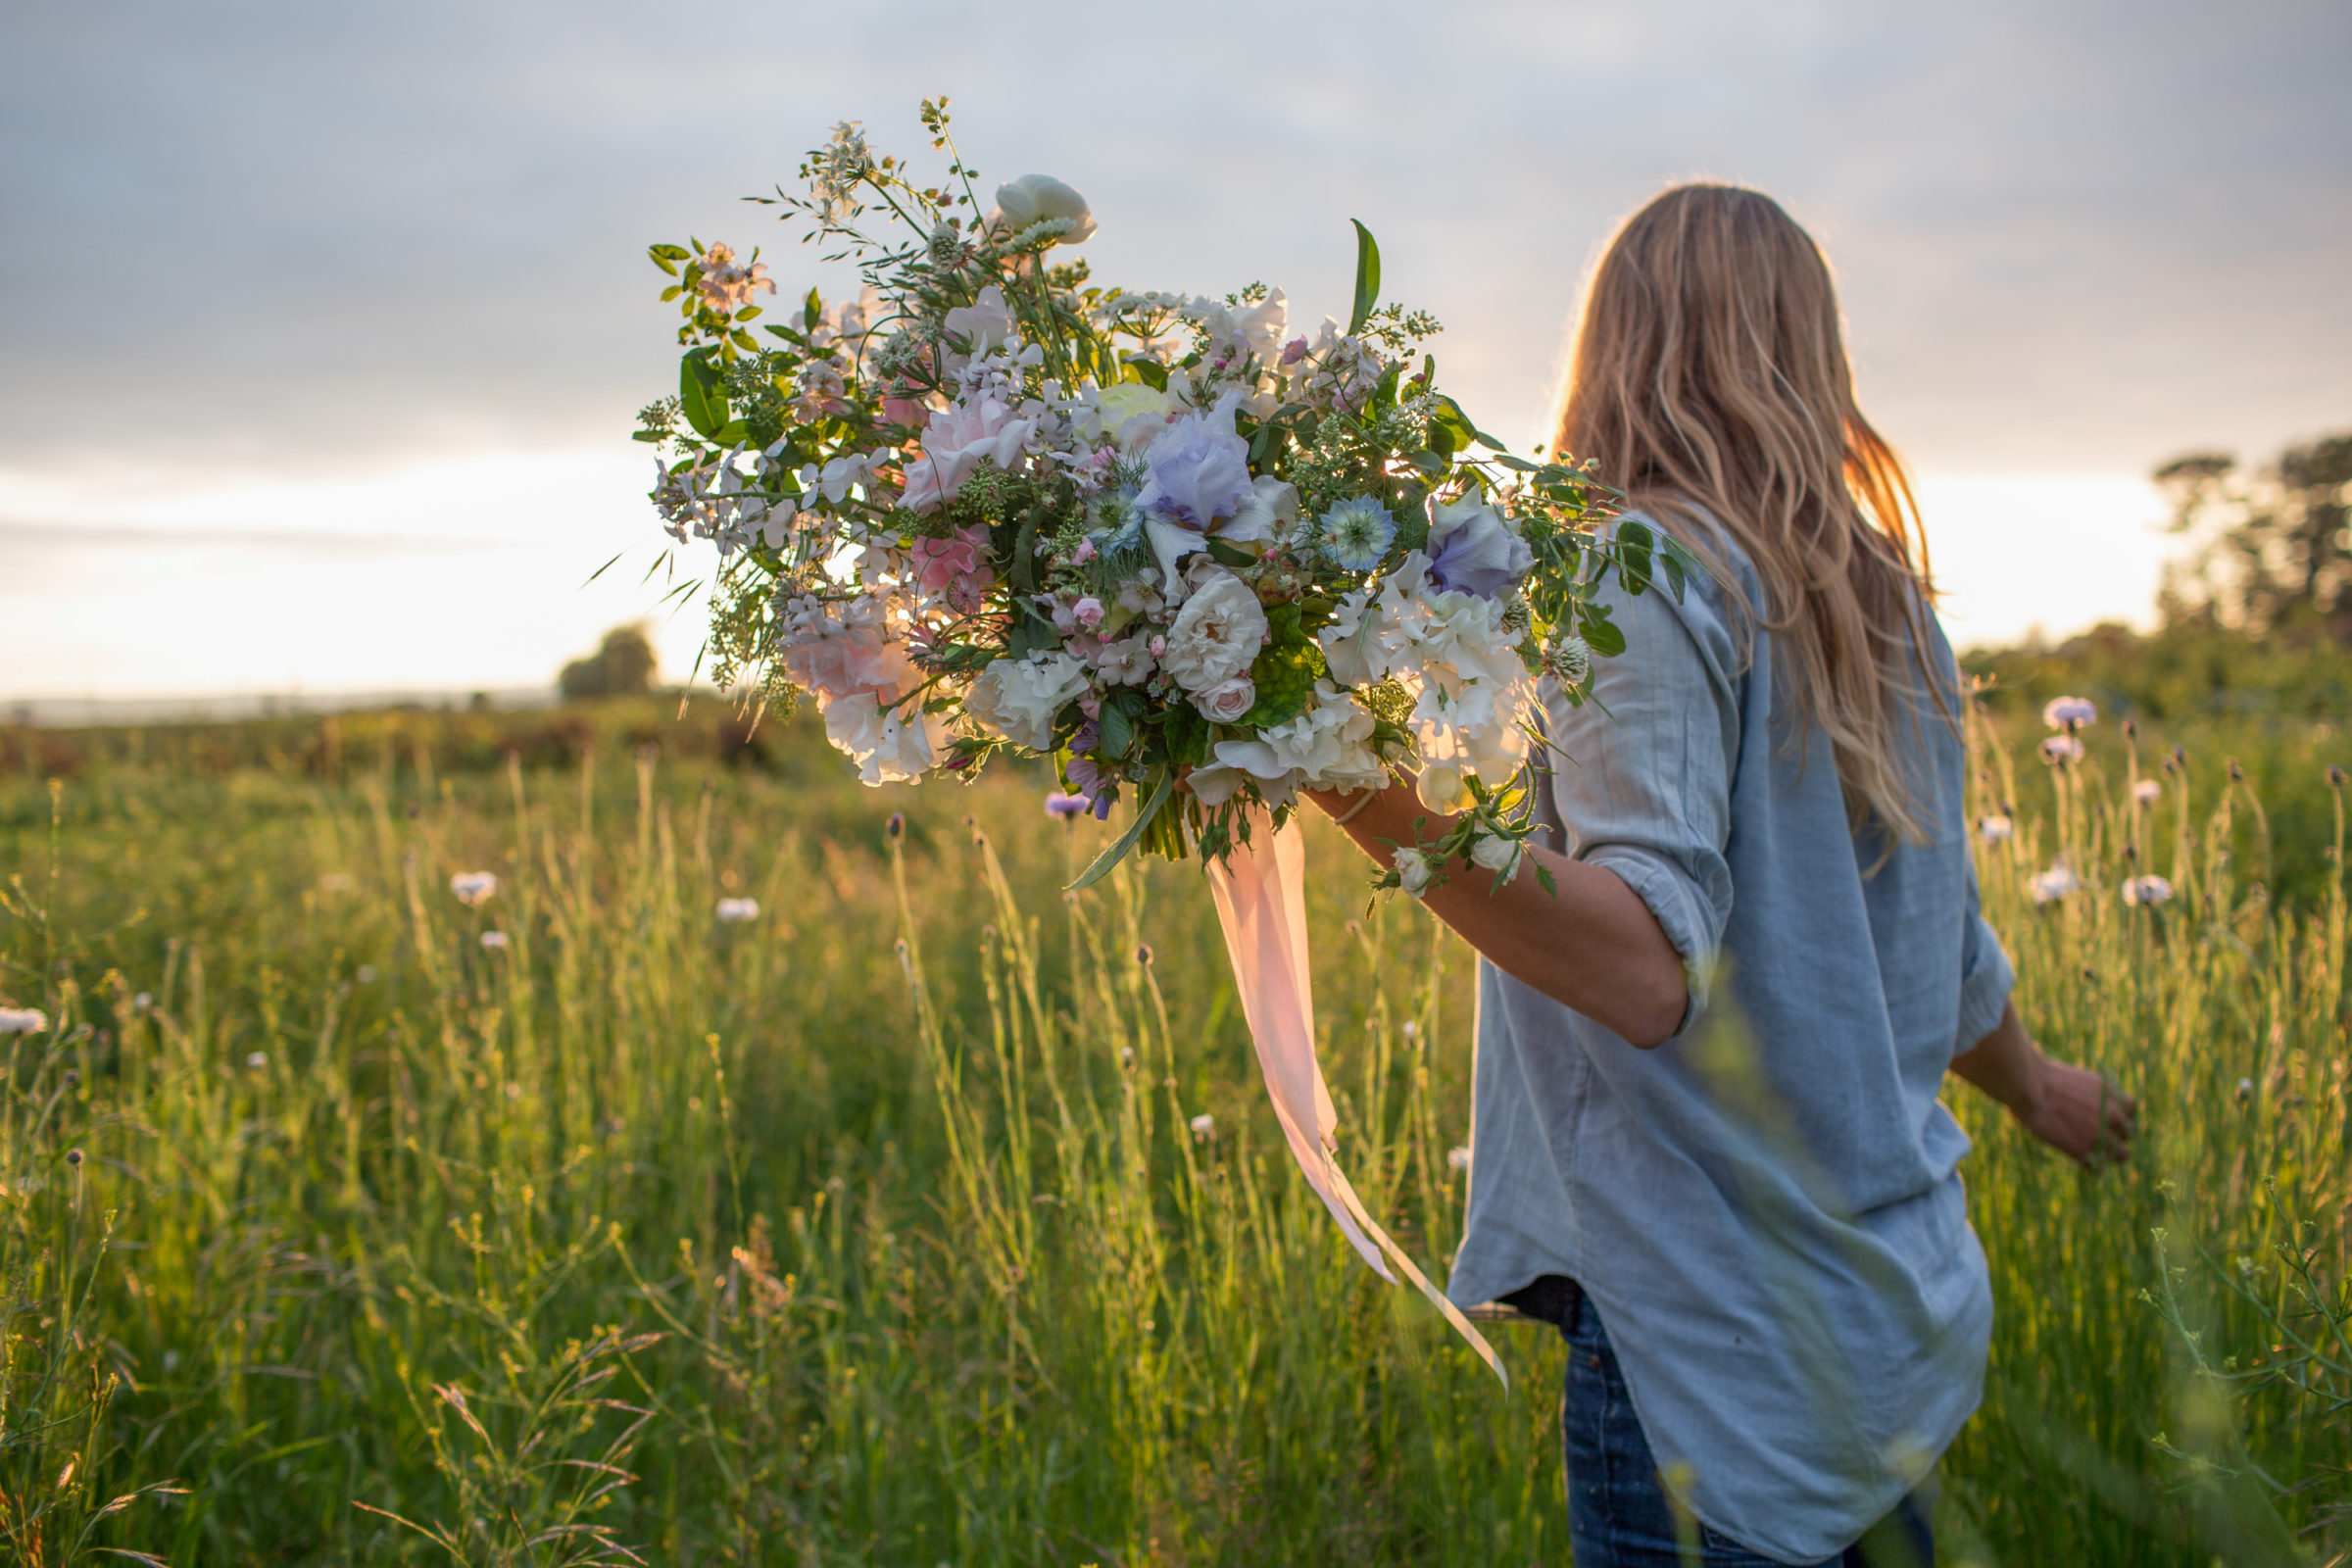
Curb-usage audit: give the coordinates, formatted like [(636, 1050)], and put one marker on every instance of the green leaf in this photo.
[(746, 313), (1367, 277), (1225, 555), (1515, 464), (812, 309), (1488, 442), (1126, 841), (1599, 630), (732, 431), (701, 393), (1151, 372), (1118, 729), (1633, 545), (654, 436)]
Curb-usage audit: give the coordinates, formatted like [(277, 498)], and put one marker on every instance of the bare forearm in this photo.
[(2006, 1065), (1594, 947)]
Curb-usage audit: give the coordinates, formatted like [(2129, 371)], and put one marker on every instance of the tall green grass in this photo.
[(878, 1229)]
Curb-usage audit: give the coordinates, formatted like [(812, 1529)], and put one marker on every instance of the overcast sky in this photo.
[(323, 324)]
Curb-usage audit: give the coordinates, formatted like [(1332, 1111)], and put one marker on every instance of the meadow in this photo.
[(877, 1229)]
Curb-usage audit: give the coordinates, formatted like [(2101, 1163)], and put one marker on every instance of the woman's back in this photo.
[(1764, 1209)]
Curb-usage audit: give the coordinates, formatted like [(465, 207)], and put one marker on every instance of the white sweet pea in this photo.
[(987, 322), (1269, 508), (889, 746), (1328, 746), (1034, 198), (1017, 698)]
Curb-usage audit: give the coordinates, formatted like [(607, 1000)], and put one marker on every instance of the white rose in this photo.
[(1413, 870), (1033, 198), (1497, 854), (1217, 634), (1017, 698), (1227, 701), (1440, 787)]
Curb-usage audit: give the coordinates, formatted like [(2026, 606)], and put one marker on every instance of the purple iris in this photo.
[(1198, 470), (1476, 555)]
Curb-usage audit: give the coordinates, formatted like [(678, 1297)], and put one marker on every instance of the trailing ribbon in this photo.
[(1260, 893)]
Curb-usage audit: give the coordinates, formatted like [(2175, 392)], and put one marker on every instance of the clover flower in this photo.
[(2058, 882), (2068, 713), (1997, 829), (1569, 661), (2147, 891), (734, 911), (475, 888), (1357, 532), (22, 1020)]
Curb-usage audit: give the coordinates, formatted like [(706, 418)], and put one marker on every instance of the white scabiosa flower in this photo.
[(1357, 533), (2058, 882), (2146, 892), (734, 911), (2069, 713), (22, 1020), (1997, 831), (1457, 1157), (475, 888)]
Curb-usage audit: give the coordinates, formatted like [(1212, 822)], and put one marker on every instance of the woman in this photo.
[(1708, 1141)]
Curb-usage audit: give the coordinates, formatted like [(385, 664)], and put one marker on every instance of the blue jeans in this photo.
[(1619, 1514)]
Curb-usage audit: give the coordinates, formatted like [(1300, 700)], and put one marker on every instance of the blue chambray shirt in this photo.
[(1766, 1210)]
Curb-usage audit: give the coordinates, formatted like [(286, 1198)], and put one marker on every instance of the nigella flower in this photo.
[(473, 888), (1357, 533), (734, 911), (2147, 891), (2069, 713)]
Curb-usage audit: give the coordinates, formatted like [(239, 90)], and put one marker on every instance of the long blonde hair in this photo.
[(1710, 380)]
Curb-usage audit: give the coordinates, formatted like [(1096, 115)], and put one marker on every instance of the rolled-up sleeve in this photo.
[(1985, 976), (1641, 774)]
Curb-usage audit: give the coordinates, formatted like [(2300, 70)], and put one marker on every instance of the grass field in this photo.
[(873, 1229)]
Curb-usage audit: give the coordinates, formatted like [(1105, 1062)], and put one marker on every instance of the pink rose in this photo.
[(1227, 701)]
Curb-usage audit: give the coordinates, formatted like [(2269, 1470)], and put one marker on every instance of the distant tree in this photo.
[(622, 666), (2276, 549)]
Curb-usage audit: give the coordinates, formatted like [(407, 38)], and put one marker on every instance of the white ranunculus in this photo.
[(1017, 698), (1227, 701), (1033, 198), (1217, 634)]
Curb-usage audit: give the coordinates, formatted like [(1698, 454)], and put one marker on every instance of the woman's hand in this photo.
[(2080, 1114), (2075, 1110)]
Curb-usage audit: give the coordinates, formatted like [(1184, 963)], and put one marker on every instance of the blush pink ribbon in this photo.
[(1260, 893)]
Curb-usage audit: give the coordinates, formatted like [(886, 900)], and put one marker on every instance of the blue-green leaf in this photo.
[(1126, 841)]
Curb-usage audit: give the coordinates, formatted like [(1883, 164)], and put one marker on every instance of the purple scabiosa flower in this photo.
[(1065, 807)]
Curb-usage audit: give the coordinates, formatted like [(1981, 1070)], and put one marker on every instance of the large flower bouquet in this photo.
[(1153, 537)]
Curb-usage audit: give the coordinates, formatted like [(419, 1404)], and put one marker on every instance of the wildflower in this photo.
[(257, 1059), (2056, 883), (1495, 852), (1997, 829), (1142, 953), (734, 911), (142, 1002), (2060, 749), (1414, 868), (727, 286), (1357, 532), (473, 888), (1066, 806), (2245, 1089), (2147, 891), (2068, 713), (22, 1020), (495, 941), (2147, 792), (1457, 1157), (367, 974), (836, 169), (1204, 1127), (1569, 661)]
